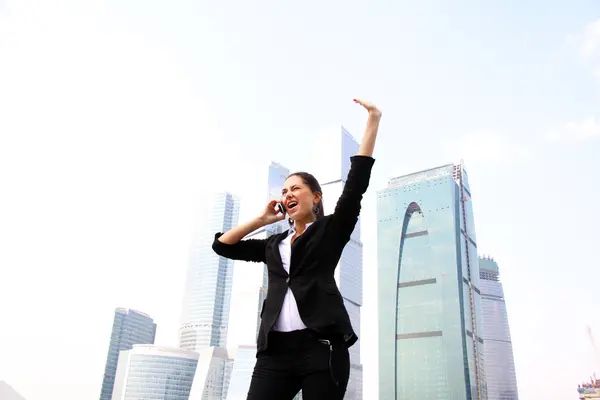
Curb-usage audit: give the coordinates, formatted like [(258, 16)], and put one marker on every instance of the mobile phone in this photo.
[(281, 208)]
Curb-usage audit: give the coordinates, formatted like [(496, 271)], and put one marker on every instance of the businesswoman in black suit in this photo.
[(305, 331)]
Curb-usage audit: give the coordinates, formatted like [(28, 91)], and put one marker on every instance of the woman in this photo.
[(305, 330)]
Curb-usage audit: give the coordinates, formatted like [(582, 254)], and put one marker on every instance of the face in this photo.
[(298, 199)]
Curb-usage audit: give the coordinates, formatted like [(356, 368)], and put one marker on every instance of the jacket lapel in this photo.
[(277, 253), (298, 248)]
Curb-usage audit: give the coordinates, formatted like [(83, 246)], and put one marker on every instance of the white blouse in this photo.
[(289, 317)]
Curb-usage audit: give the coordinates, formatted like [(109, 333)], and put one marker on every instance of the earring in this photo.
[(316, 210)]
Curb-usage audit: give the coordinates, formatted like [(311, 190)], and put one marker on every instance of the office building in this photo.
[(244, 357), (206, 301), (430, 315), (130, 327), (207, 293), (249, 292), (497, 345), (332, 173), (154, 372), (212, 375)]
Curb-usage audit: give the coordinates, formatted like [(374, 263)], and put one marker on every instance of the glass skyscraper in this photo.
[(241, 374), (154, 372), (497, 345), (332, 175), (212, 375), (250, 287), (430, 316), (130, 327), (207, 294)]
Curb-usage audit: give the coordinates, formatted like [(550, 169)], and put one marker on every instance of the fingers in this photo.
[(371, 108), (274, 208), (363, 103)]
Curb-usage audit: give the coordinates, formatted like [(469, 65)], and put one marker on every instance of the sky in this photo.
[(118, 118)]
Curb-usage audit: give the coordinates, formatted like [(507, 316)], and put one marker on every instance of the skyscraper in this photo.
[(250, 291), (206, 301), (207, 294), (130, 327), (212, 375), (332, 174), (155, 372), (497, 345), (430, 343)]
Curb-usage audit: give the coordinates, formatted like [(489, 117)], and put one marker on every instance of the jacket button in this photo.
[(287, 280)]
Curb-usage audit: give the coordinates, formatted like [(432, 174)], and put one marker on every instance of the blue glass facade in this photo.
[(349, 273), (499, 362), (255, 292), (154, 372), (157, 377), (430, 345), (129, 327), (245, 358), (207, 296)]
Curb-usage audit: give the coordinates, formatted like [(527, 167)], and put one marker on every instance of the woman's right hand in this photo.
[(271, 214)]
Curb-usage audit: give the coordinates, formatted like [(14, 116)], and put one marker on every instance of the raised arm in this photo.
[(368, 142), (348, 206), (231, 245)]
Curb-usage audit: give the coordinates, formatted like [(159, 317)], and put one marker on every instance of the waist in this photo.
[(302, 336)]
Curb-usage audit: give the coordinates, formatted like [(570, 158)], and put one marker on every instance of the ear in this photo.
[(317, 197)]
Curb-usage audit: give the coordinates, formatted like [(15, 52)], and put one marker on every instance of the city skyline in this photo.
[(241, 360), (227, 206), (430, 317)]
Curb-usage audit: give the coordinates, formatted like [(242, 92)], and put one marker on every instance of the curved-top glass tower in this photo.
[(430, 343)]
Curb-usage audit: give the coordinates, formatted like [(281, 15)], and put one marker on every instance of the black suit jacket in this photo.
[(314, 257)]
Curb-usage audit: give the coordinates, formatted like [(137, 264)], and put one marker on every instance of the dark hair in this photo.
[(314, 186)]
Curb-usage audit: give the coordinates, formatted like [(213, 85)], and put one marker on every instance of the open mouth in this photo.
[(292, 205)]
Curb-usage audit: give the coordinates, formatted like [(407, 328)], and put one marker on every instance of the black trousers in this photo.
[(300, 360)]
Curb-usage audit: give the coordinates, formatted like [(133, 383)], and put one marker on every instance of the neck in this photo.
[(301, 225)]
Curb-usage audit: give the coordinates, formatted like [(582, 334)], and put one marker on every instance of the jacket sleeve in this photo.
[(246, 250), (348, 207)]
